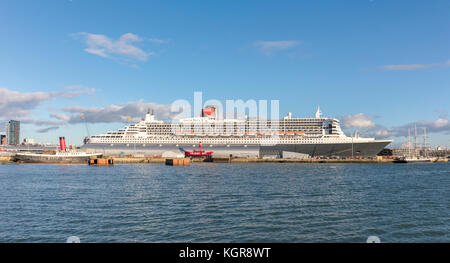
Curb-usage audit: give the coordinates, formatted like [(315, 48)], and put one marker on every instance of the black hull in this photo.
[(336, 149)]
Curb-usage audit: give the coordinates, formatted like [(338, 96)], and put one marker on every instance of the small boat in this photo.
[(57, 157), (399, 160), (418, 160), (412, 160), (197, 153)]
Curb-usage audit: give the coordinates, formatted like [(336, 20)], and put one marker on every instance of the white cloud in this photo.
[(365, 122), (117, 113), (125, 46), (74, 91), (385, 133), (58, 116), (17, 105), (401, 67), (359, 120), (438, 125), (41, 122), (441, 125), (45, 130), (269, 47)]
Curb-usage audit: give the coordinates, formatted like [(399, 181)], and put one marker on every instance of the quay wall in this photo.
[(6, 159), (119, 160)]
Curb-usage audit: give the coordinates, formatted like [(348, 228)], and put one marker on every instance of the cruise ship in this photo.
[(317, 136)]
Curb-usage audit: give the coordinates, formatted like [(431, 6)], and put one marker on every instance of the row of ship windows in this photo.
[(250, 122), (234, 126), (219, 132), (217, 141), (263, 124), (210, 144), (197, 135)]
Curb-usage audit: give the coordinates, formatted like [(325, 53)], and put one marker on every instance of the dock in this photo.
[(6, 159), (224, 160), (111, 160)]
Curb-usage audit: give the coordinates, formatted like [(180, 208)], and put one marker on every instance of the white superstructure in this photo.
[(210, 130)]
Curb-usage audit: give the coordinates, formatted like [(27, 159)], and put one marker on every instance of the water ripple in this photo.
[(225, 203)]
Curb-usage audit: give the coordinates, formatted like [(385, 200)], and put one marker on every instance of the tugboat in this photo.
[(61, 156), (199, 153)]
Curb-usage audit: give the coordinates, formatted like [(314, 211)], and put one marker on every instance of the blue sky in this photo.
[(379, 65)]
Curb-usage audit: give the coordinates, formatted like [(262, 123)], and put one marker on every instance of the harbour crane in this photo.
[(86, 138)]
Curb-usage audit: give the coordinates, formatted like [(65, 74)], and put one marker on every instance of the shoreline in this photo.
[(138, 160), (11, 158)]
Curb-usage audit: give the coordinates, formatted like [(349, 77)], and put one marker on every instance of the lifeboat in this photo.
[(299, 133), (180, 133), (268, 133), (280, 133), (289, 133), (249, 133)]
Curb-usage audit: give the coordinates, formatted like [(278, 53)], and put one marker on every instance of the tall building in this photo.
[(13, 132)]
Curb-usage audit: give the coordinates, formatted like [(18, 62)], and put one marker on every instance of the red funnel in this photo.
[(62, 143)]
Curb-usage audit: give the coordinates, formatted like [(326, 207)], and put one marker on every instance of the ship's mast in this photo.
[(415, 140), (425, 141), (409, 142), (318, 113)]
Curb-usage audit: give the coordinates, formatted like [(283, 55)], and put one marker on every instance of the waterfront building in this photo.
[(28, 141), (13, 132)]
